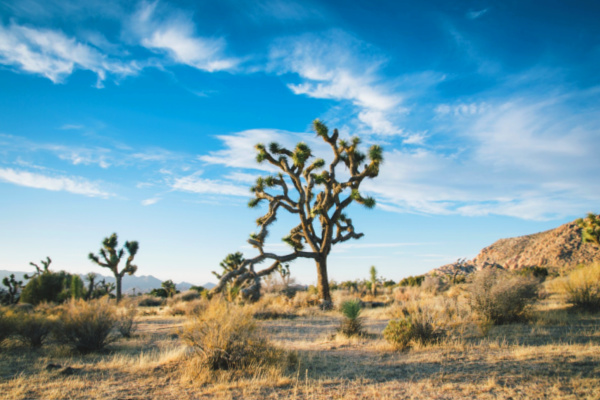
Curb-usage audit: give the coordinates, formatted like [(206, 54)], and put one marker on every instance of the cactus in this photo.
[(590, 228)]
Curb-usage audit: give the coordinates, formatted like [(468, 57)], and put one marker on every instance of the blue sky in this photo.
[(140, 118)]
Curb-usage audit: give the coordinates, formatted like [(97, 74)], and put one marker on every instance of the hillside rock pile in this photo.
[(555, 249)]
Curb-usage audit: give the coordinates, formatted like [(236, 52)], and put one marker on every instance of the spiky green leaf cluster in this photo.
[(590, 228), (301, 154), (320, 128)]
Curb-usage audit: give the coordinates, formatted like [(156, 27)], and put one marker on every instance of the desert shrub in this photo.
[(499, 298), (404, 332), (160, 292), (33, 328), (535, 271), (225, 337), (87, 326), (432, 284), (188, 295), (582, 287), (151, 301), (305, 299), (412, 281), (352, 324), (6, 325), (125, 321)]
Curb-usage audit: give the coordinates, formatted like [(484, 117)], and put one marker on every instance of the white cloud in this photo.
[(239, 149), (195, 184), (149, 202), (52, 54), (339, 67), (61, 183), (526, 158), (175, 35)]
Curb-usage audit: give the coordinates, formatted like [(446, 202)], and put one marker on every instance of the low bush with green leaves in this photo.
[(87, 326), (499, 297)]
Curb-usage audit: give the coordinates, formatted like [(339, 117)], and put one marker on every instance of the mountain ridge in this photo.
[(556, 249)]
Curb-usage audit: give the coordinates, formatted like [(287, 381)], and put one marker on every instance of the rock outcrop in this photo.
[(556, 249)]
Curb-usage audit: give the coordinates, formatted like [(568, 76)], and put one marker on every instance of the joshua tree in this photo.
[(169, 287), (14, 287), (38, 270), (111, 257), (590, 228), (90, 277), (318, 199), (373, 274)]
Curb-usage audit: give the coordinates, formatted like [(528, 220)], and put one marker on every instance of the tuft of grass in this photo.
[(226, 337), (417, 326), (126, 322), (582, 287)]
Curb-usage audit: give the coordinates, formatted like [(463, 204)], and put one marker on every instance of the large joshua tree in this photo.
[(319, 199), (109, 257)]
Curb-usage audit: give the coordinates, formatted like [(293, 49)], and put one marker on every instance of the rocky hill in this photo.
[(555, 249)]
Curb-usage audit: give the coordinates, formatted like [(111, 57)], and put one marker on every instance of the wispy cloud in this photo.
[(477, 14), (53, 183), (339, 67), (173, 33), (196, 184), (529, 158), (54, 55), (149, 202)]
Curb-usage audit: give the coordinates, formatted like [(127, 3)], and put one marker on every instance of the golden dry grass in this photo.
[(555, 355)]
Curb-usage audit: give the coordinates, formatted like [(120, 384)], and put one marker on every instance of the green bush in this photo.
[(87, 326), (412, 281), (535, 271), (225, 337), (352, 324), (499, 297), (52, 287)]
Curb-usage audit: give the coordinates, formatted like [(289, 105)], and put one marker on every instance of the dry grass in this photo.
[(554, 355)]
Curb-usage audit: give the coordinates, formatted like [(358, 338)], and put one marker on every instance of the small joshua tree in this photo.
[(14, 287), (318, 199), (373, 276), (590, 228), (110, 258)]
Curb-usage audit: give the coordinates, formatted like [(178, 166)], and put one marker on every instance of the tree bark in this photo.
[(118, 284), (323, 284)]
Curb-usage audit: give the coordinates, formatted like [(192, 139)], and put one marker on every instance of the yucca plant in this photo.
[(352, 325)]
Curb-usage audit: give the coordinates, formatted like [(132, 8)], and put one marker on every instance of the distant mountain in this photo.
[(141, 283), (555, 249)]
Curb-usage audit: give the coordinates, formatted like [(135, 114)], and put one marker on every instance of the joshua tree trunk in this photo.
[(118, 279), (323, 284)]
